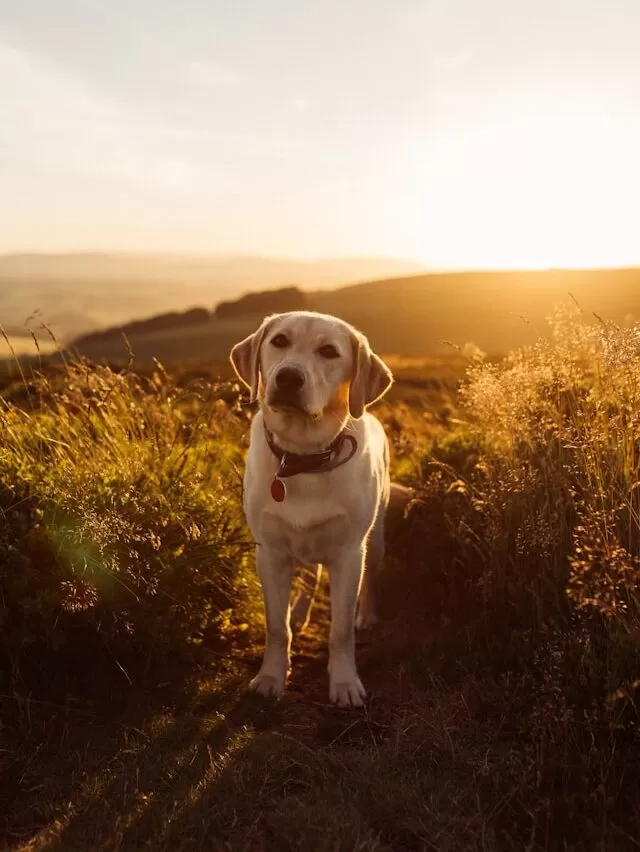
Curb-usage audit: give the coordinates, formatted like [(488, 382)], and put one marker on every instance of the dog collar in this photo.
[(291, 464)]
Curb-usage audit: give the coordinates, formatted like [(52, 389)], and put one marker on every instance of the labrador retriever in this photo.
[(316, 483)]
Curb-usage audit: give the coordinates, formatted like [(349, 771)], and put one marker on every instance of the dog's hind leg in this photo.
[(367, 613), (309, 581)]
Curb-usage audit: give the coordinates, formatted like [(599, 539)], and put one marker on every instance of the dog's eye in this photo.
[(279, 341), (328, 351)]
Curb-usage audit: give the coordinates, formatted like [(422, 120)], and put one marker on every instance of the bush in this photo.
[(120, 510), (528, 517), (560, 425)]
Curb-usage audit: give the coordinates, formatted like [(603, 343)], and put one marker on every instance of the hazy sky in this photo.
[(455, 132)]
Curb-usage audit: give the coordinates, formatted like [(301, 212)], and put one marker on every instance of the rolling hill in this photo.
[(420, 315), (78, 293)]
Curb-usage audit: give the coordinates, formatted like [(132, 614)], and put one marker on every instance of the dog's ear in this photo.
[(245, 358), (371, 377)]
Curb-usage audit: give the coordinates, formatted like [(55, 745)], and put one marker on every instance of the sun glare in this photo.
[(540, 190)]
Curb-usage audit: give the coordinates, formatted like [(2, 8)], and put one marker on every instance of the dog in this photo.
[(316, 483)]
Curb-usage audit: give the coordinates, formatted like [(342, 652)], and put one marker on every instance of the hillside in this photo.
[(422, 315), (78, 293), (503, 678), (495, 310)]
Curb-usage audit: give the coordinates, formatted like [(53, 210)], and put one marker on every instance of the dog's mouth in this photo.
[(286, 401), (289, 404), (287, 407)]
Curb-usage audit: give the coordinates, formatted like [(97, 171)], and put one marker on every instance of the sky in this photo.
[(459, 133)]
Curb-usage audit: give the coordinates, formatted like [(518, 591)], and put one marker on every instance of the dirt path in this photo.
[(199, 763), (149, 766)]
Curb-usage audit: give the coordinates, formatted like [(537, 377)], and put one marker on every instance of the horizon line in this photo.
[(329, 258)]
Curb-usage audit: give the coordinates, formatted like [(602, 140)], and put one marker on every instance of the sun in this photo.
[(542, 189)]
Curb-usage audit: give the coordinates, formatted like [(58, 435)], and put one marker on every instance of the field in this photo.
[(502, 710)]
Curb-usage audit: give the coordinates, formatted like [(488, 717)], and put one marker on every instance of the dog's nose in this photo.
[(289, 379)]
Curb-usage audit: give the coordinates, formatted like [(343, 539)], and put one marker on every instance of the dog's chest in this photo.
[(311, 523), (308, 499), (310, 544)]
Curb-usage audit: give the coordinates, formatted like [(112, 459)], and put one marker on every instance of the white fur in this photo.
[(334, 519)]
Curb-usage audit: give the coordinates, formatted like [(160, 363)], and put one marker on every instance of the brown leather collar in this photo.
[(292, 464)]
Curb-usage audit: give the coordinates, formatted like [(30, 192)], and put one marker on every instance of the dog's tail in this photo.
[(400, 496)]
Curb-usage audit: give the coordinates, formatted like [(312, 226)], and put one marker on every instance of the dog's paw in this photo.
[(267, 684), (349, 693), (345, 687)]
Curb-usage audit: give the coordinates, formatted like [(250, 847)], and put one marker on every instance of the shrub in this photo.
[(120, 513), (560, 424), (528, 515)]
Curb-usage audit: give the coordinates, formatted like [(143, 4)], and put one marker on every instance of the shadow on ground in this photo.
[(440, 758)]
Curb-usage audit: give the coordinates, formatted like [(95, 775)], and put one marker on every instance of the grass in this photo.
[(502, 682)]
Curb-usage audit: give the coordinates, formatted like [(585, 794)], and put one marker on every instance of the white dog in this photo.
[(316, 484)]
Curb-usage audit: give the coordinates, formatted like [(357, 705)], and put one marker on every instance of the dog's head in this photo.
[(309, 367)]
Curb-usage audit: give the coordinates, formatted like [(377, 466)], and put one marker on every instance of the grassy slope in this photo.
[(498, 311), (495, 721), (417, 316)]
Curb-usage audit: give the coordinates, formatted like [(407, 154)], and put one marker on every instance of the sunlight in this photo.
[(543, 189), (19, 345)]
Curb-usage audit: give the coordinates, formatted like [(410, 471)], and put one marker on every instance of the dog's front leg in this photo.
[(275, 570), (345, 575)]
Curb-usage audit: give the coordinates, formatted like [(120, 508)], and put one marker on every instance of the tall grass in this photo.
[(529, 513), (560, 427), (520, 561), (503, 710), (119, 508)]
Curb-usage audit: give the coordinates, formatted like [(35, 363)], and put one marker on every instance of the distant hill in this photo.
[(81, 293), (161, 322), (497, 311), (421, 315), (265, 302), (252, 304)]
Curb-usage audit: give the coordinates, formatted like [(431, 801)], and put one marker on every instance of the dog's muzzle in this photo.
[(289, 382)]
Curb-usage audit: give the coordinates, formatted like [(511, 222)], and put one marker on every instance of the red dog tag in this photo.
[(278, 489)]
